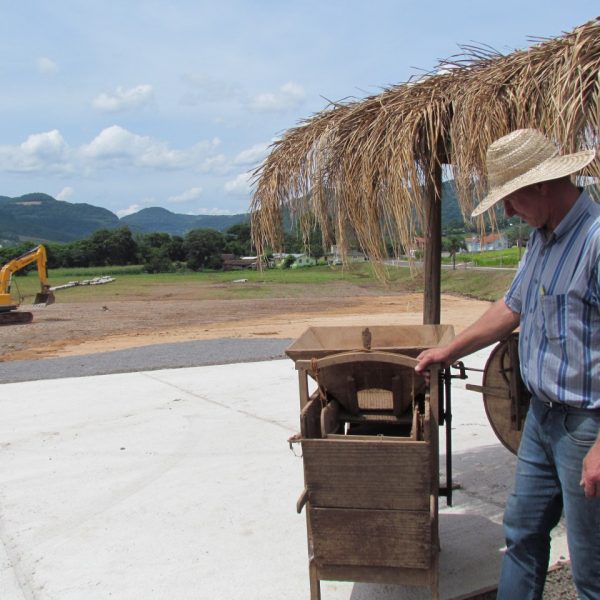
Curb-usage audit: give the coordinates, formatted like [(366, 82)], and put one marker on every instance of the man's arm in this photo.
[(496, 323)]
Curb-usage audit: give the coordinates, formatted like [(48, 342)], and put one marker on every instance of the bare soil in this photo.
[(75, 328)]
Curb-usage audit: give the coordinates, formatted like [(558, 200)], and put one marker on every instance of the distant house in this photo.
[(231, 262), (303, 260), (494, 241), (300, 260), (335, 256)]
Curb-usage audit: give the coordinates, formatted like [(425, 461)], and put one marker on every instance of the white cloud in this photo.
[(46, 66), (118, 146), (252, 155), (239, 185), (45, 151), (217, 164), (132, 208), (114, 147), (47, 144), (186, 196), (65, 193), (211, 211), (122, 99), (289, 96)]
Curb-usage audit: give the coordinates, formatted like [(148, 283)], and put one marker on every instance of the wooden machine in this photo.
[(369, 437)]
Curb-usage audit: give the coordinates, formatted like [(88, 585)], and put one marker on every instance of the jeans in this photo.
[(554, 443)]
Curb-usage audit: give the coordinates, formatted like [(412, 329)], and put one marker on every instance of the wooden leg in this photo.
[(315, 584), (434, 577)]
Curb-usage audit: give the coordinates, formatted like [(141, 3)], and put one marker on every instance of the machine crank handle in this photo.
[(460, 366)]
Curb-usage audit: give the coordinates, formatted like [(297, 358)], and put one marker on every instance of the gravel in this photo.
[(147, 358), (559, 586)]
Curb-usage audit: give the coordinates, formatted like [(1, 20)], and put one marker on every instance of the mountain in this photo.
[(451, 215), (149, 220), (41, 217)]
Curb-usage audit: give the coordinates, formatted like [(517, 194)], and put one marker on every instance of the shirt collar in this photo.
[(572, 216)]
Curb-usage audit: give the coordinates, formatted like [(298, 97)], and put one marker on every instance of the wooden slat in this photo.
[(372, 538), (403, 391), (330, 418), (350, 357), (310, 419), (390, 575), (379, 474), (303, 388)]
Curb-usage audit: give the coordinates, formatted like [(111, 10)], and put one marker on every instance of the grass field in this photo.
[(493, 258), (132, 282)]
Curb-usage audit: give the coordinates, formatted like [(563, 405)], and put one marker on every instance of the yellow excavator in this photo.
[(9, 315)]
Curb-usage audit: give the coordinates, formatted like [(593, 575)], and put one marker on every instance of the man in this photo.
[(555, 299)]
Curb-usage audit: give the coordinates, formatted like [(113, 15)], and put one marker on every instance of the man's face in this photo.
[(529, 204)]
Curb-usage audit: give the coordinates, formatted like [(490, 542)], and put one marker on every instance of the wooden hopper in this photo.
[(410, 340), (369, 436)]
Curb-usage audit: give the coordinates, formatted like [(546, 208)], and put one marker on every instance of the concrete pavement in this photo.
[(179, 484)]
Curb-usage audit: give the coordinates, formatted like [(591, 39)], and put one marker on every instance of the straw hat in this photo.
[(523, 157)]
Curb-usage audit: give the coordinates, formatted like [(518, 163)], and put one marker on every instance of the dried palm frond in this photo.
[(363, 167)]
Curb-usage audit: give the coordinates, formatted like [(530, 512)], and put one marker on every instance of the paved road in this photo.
[(147, 358)]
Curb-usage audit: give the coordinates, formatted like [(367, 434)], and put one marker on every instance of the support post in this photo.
[(433, 246)]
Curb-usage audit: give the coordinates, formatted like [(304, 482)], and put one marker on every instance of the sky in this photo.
[(128, 104)]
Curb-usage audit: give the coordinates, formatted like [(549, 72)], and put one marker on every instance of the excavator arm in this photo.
[(45, 296)]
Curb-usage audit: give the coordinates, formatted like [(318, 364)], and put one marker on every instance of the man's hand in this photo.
[(590, 474), (432, 356)]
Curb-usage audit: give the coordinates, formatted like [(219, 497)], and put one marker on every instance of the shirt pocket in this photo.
[(554, 316)]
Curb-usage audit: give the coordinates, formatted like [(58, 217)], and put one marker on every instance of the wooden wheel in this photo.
[(505, 397)]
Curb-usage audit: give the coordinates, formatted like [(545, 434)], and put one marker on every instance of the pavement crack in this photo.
[(222, 404)]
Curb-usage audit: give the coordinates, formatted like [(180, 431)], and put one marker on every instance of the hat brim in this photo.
[(552, 168)]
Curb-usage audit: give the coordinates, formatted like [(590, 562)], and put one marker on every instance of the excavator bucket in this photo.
[(44, 298)]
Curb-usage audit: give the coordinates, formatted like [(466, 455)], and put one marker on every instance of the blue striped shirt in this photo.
[(556, 291)]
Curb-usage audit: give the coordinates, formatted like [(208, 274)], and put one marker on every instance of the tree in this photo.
[(99, 248), (177, 249), (288, 261), (156, 260), (203, 248), (454, 244), (517, 234), (122, 247), (239, 239)]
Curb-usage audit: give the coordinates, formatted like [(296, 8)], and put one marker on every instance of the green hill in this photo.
[(41, 217), (149, 220)]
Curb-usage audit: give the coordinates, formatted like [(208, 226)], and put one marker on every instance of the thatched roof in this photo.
[(359, 168)]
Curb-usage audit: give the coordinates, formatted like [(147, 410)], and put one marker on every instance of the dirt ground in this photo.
[(75, 328)]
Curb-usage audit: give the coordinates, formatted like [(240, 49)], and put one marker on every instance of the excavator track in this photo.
[(15, 318)]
